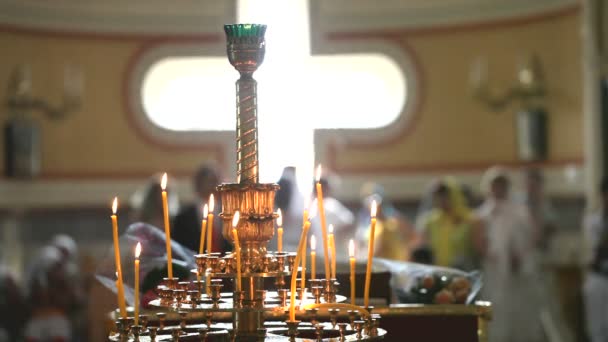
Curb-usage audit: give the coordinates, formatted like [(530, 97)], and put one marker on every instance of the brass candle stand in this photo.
[(204, 307)]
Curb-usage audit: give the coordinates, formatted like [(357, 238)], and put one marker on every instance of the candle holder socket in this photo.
[(292, 329), (171, 283), (175, 332), (352, 315), (359, 328), (123, 325), (136, 330), (342, 329), (143, 321), (161, 320), (282, 296), (202, 334), (333, 316), (183, 315), (152, 332), (319, 331), (317, 292)]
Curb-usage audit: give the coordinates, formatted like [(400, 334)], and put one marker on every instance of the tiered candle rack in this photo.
[(254, 313)]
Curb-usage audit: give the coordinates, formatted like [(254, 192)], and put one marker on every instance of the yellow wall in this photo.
[(451, 128)]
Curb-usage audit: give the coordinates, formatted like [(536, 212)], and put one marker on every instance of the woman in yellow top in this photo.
[(450, 229)]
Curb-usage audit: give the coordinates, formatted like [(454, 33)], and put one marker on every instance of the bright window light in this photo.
[(297, 92)]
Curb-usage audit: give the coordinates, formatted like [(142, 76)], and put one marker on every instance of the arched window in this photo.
[(297, 92)]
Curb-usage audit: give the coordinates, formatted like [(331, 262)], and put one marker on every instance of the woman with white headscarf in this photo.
[(510, 266)]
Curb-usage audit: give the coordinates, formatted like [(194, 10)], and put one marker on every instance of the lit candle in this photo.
[(332, 246), (313, 257), (237, 249), (351, 254), (119, 284), (370, 254), (305, 213), (210, 224), (280, 231), (163, 185), (203, 229), (323, 222), (294, 273), (136, 286), (304, 255)]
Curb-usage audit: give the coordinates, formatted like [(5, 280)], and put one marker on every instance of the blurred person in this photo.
[(12, 307), (450, 230), (186, 228), (540, 209), (69, 252), (394, 235), (595, 288), (291, 202), (49, 296), (510, 268)]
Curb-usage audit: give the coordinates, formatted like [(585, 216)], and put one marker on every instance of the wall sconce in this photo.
[(529, 92), (21, 131)]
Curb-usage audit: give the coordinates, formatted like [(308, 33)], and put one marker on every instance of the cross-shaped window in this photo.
[(297, 92)]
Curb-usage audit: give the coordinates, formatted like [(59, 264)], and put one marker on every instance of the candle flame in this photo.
[(137, 250), (205, 211), (313, 242), (330, 229), (280, 218), (374, 209), (211, 203), (115, 205), (163, 181), (318, 173), (351, 248), (235, 219), (116, 273)]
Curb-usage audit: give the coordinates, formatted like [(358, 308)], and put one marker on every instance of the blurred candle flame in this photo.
[(374, 209), (137, 250), (115, 205), (280, 218), (163, 181), (351, 248), (211, 203), (235, 219), (318, 173), (313, 242)]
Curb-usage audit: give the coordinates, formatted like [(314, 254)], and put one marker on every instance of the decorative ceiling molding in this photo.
[(145, 17), (369, 15)]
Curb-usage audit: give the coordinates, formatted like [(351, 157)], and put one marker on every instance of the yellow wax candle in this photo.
[(237, 249), (313, 257), (210, 224), (203, 229), (136, 285), (163, 185), (304, 255), (294, 273), (351, 254), (332, 246), (119, 284), (370, 255), (305, 213), (280, 231), (323, 222)]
